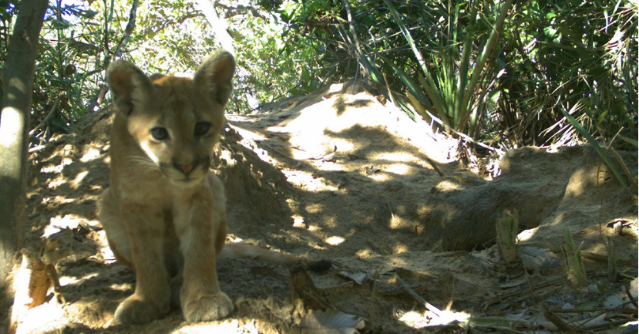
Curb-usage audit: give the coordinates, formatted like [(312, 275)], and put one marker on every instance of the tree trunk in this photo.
[(19, 70), (218, 24)]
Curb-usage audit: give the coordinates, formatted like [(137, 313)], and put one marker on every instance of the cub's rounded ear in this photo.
[(129, 86), (215, 75), (156, 76)]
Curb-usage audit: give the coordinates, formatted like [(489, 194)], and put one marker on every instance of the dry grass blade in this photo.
[(622, 164)]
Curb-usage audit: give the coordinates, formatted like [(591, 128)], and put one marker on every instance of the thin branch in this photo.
[(128, 30), (427, 305), (47, 118), (97, 99), (351, 26)]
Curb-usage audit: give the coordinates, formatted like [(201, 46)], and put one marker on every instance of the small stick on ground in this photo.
[(526, 289), (630, 297), (558, 321), (427, 305)]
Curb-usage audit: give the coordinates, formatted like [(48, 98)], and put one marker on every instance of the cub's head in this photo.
[(174, 121)]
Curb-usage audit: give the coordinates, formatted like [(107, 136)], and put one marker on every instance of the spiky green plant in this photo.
[(507, 228), (600, 151), (564, 53), (453, 78), (490, 69)]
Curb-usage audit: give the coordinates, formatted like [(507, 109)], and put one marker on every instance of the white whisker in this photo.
[(143, 161)]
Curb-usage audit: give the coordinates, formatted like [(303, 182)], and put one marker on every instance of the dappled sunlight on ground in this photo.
[(75, 184), (334, 240), (231, 326), (429, 318), (47, 318)]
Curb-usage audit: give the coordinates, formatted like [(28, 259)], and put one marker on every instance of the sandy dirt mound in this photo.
[(340, 176)]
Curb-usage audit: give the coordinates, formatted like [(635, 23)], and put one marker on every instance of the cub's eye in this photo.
[(159, 134), (202, 129)]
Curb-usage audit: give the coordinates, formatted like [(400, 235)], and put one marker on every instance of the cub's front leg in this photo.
[(200, 222), (144, 225)]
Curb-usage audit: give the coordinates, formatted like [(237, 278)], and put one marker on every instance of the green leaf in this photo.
[(600, 151)]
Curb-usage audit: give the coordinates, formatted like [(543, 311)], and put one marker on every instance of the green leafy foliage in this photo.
[(66, 69), (445, 60), (455, 83), (492, 71), (569, 52)]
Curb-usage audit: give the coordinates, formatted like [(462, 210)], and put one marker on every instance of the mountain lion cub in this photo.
[(164, 213)]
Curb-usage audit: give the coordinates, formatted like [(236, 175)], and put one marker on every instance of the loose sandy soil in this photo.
[(342, 177)]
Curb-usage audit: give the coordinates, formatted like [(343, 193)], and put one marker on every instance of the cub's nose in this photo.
[(186, 169)]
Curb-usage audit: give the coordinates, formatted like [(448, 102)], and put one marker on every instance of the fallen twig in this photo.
[(501, 324), (427, 305), (557, 321), (590, 310), (630, 297), (610, 324), (527, 288), (47, 118)]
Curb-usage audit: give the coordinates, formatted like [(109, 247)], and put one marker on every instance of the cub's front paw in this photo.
[(207, 307), (134, 310)]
